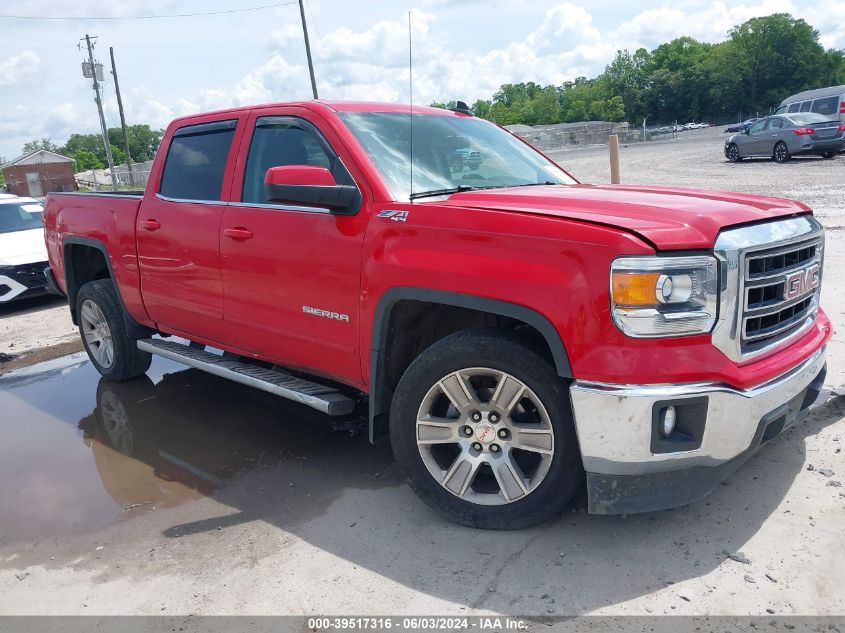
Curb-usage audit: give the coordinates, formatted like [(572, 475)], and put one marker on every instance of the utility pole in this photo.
[(308, 50), (98, 100), (122, 119)]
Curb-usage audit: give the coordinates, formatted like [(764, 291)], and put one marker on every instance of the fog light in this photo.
[(667, 421)]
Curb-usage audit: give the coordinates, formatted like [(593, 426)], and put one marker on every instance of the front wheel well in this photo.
[(408, 322)]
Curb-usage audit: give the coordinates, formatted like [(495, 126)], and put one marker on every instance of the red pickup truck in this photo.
[(516, 333)]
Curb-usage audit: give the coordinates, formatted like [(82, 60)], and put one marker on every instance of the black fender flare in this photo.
[(133, 328), (381, 395)]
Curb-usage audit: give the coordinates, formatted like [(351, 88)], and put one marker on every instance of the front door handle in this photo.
[(151, 224), (238, 233)]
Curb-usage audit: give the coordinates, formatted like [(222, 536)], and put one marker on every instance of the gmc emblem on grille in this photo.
[(801, 282)]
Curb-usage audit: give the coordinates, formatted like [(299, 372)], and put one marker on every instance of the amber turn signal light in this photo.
[(634, 288)]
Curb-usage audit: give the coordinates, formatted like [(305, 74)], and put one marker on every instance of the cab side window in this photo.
[(794, 107), (775, 123), (196, 161), (276, 142), (806, 105)]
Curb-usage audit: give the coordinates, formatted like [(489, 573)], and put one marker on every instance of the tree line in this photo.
[(762, 61), (88, 150)]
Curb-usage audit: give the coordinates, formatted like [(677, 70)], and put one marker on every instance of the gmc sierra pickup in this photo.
[(515, 333)]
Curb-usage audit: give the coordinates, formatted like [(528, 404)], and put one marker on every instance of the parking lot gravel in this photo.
[(185, 494)]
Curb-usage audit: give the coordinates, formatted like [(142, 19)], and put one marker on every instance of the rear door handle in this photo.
[(238, 233), (151, 224)]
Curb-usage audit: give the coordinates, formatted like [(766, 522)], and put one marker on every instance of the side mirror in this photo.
[(308, 185), (746, 130)]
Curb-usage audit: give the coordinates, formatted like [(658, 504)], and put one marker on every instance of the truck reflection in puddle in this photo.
[(166, 443)]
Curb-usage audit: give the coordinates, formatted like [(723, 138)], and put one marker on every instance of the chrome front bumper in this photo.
[(616, 426)]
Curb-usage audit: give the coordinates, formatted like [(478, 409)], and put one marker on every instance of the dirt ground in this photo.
[(34, 330), (185, 494)]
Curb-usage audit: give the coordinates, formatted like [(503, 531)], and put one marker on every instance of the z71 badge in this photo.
[(393, 214)]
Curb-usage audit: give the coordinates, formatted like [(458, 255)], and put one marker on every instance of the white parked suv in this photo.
[(23, 256)]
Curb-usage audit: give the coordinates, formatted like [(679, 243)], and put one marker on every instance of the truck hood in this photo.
[(22, 247), (668, 218)]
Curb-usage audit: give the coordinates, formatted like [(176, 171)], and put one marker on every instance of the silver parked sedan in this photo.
[(781, 137)]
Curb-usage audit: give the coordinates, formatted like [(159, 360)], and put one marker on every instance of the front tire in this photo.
[(780, 154), (733, 153), (481, 425), (829, 155), (102, 328)]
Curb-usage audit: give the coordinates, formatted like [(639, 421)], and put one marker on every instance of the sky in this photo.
[(462, 49)]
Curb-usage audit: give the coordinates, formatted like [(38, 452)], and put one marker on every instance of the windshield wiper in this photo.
[(535, 184), (440, 192)]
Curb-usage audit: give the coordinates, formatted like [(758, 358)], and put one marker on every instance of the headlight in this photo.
[(664, 296)]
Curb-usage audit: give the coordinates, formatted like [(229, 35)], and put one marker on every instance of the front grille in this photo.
[(30, 275), (780, 292)]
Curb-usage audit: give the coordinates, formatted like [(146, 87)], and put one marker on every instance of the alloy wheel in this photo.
[(485, 436), (733, 153), (97, 334)]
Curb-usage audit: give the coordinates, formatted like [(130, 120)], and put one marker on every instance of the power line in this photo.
[(146, 17)]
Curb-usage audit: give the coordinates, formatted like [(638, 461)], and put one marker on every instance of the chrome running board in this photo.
[(317, 396)]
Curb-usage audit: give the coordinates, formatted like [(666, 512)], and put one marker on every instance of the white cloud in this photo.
[(366, 58), (19, 69)]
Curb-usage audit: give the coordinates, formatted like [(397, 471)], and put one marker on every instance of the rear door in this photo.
[(178, 231), (291, 273)]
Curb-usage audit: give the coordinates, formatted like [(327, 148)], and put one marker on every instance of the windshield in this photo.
[(803, 118), (449, 153), (20, 217)]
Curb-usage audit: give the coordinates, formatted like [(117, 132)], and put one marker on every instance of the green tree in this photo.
[(615, 109), (481, 108), (84, 142), (37, 144), (577, 112), (143, 141), (85, 160), (779, 55)]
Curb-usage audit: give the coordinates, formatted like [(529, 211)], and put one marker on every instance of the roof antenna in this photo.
[(411, 97)]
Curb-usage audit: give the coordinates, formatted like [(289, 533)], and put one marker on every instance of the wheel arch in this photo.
[(87, 259), (381, 391)]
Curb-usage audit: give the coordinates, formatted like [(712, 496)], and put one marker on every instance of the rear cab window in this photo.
[(196, 161)]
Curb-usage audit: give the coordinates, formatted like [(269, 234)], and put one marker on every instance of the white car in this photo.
[(23, 255)]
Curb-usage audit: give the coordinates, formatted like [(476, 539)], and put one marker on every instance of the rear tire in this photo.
[(102, 328), (829, 155), (780, 154), (520, 464)]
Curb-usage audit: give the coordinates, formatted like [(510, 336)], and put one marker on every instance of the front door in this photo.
[(756, 141), (291, 274), (178, 232)]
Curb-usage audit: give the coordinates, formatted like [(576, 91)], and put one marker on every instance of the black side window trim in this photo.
[(204, 128)]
